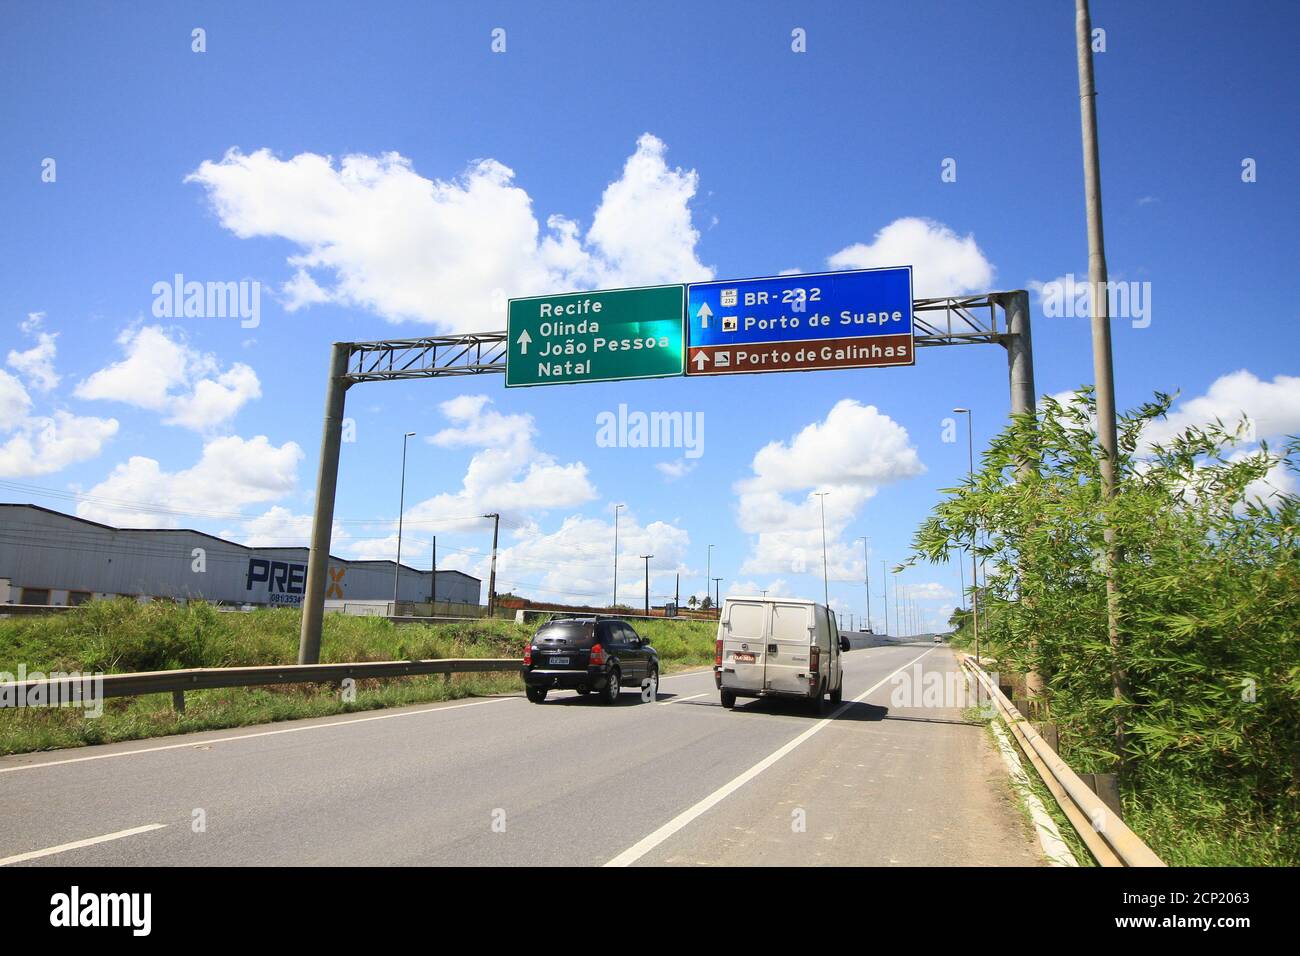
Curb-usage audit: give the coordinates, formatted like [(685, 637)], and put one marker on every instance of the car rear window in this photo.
[(746, 620), (566, 632), (790, 622)]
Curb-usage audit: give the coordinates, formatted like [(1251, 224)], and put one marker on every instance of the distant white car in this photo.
[(938, 639)]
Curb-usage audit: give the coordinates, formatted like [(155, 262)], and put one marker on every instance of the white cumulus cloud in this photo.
[(36, 364), (374, 233), (41, 444), (944, 263), (1272, 408), (231, 473), (164, 374), (850, 454), (507, 473)]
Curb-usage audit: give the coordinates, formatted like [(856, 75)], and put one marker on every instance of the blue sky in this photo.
[(758, 159)]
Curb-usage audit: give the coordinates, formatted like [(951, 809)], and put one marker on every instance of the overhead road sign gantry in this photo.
[(595, 336), (792, 323)]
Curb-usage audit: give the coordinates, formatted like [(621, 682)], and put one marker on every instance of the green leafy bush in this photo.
[(1208, 582)]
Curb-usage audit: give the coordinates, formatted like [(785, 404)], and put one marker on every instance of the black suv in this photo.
[(589, 654)]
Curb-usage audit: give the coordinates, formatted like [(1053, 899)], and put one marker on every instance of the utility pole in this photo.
[(401, 507), (492, 578), (433, 580), (617, 508), (677, 592), (826, 589), (1103, 369), (708, 570), (717, 596), (866, 576), (646, 558), (897, 623), (974, 591)]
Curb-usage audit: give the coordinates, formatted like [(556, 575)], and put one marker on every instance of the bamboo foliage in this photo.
[(1209, 585)]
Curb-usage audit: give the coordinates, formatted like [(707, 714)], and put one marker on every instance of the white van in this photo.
[(778, 647)]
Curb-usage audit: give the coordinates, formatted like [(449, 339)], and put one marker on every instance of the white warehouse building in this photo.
[(51, 558)]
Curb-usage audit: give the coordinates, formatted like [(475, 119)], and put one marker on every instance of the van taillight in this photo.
[(717, 654), (597, 654), (528, 654), (815, 659)]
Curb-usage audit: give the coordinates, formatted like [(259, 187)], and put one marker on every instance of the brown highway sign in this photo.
[(876, 351)]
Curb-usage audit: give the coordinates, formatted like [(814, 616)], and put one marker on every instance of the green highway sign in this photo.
[(596, 336)]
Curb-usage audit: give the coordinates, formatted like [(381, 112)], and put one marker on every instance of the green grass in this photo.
[(124, 636)]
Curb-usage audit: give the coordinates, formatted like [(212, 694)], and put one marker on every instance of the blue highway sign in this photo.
[(858, 319)]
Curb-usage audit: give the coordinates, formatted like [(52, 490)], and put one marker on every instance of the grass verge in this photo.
[(124, 636)]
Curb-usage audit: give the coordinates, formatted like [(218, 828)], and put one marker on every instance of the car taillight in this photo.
[(717, 654), (815, 659), (528, 654), (597, 654)]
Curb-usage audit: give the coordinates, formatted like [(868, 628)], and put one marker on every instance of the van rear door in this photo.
[(787, 648), (743, 631)]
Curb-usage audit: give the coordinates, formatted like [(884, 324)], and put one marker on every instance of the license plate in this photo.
[(744, 658), (559, 660)]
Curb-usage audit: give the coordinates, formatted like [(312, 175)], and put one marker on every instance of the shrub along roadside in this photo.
[(1210, 618), (123, 636)]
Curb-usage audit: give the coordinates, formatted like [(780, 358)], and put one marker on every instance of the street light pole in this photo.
[(717, 595), (617, 508), (646, 558), (974, 577), (401, 506), (866, 575), (884, 591), (1102, 364), (826, 590)]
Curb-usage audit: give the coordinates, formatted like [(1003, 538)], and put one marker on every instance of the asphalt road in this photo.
[(500, 781)]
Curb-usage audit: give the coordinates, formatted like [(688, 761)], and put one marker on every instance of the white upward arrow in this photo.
[(705, 314), (523, 340), (701, 359)]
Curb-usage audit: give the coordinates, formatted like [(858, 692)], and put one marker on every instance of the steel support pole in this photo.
[(327, 477), (1024, 398), (1020, 352)]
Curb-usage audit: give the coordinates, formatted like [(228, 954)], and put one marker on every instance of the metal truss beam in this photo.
[(950, 320)]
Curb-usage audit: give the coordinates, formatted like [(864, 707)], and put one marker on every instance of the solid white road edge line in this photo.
[(1049, 837), (78, 844), (644, 846), (261, 733)]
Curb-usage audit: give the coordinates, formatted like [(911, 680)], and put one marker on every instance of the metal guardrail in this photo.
[(1106, 836), (207, 678)]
